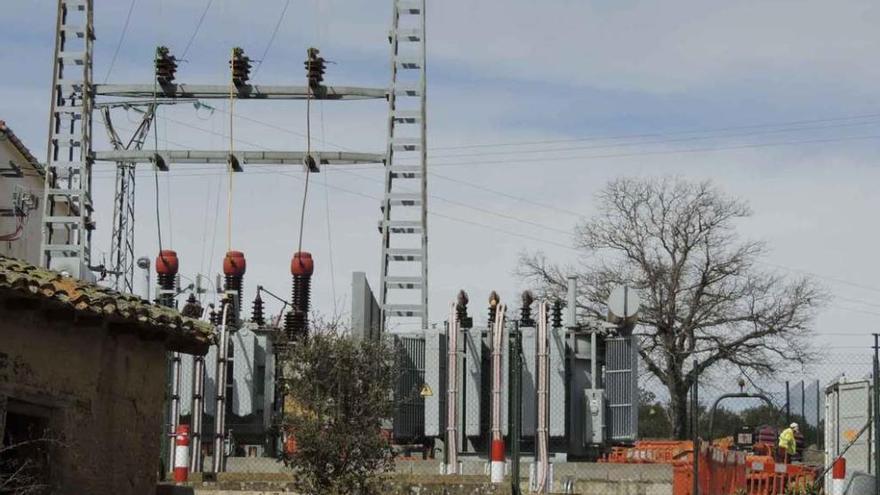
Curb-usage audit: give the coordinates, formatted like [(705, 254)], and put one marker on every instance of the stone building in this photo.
[(82, 380)]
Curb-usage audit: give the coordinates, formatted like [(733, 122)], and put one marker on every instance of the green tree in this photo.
[(338, 392), (653, 417)]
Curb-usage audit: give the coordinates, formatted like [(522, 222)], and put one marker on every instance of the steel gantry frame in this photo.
[(66, 242), (67, 237), (67, 194), (122, 238), (404, 224)]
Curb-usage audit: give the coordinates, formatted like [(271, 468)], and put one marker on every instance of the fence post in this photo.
[(695, 422), (875, 416), (803, 404), (514, 426), (820, 438), (787, 405)]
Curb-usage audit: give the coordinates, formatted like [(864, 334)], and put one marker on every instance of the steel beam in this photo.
[(252, 91), (244, 157)]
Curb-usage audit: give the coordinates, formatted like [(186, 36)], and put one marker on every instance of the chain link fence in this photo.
[(829, 399)]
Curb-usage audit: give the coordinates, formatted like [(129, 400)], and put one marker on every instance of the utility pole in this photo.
[(695, 422), (875, 416)]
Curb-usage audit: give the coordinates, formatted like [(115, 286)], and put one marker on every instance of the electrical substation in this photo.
[(567, 382)]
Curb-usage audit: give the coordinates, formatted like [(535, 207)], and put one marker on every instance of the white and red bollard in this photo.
[(496, 462), (181, 453), (838, 476)]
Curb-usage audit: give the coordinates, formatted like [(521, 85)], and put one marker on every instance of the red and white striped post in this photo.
[(181, 453), (496, 466), (838, 476)]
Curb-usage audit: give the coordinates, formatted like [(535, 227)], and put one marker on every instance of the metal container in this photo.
[(847, 410)]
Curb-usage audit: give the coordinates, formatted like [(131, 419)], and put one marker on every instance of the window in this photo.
[(26, 449)]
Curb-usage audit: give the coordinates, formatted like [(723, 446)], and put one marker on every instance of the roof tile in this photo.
[(182, 333)]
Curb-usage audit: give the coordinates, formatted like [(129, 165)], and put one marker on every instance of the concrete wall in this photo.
[(422, 477), (104, 392), (28, 247)]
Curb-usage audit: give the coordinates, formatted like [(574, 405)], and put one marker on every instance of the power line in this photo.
[(196, 30), (645, 135), (817, 275), (665, 152), (821, 276), (570, 212), (272, 38), (459, 203), (506, 195), (658, 141), (121, 39)]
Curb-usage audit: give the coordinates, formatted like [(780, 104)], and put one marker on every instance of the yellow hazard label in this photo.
[(426, 391), (850, 435)]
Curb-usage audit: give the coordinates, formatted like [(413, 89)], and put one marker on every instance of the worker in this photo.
[(787, 442)]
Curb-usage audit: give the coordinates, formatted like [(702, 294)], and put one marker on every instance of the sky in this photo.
[(532, 108)]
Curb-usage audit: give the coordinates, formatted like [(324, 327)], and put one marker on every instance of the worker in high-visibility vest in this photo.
[(787, 441)]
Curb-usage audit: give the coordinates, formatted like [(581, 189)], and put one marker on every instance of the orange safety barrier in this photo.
[(650, 452), (723, 472), (767, 477)]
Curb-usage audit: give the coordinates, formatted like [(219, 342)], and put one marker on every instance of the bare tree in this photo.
[(24, 466), (703, 295)]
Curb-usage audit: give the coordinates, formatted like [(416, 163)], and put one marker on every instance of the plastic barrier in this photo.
[(721, 471), (650, 452), (724, 472)]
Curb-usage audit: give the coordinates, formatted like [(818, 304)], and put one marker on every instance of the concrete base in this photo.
[(423, 477)]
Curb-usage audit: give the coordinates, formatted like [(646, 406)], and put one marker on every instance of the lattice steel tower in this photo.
[(67, 198), (404, 226)]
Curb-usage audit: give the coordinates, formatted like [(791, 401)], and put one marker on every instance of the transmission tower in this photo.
[(67, 195), (404, 226), (122, 239)]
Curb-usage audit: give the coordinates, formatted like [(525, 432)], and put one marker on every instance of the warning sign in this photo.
[(426, 391)]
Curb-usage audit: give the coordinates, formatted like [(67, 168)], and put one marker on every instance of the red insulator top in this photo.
[(234, 264), (302, 264), (167, 262)]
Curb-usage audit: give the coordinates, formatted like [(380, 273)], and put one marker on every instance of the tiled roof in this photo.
[(6, 132), (183, 334)]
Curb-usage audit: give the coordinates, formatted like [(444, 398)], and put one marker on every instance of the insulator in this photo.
[(526, 310), (166, 274), (166, 283), (234, 268), (296, 321), (257, 313), (557, 314), (461, 310), (315, 68), (493, 305), (299, 314), (214, 316), (230, 313), (166, 66), (240, 66), (192, 308)]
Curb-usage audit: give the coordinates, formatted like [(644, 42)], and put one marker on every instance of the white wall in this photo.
[(28, 246)]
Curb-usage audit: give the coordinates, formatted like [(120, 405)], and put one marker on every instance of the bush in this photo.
[(338, 393)]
